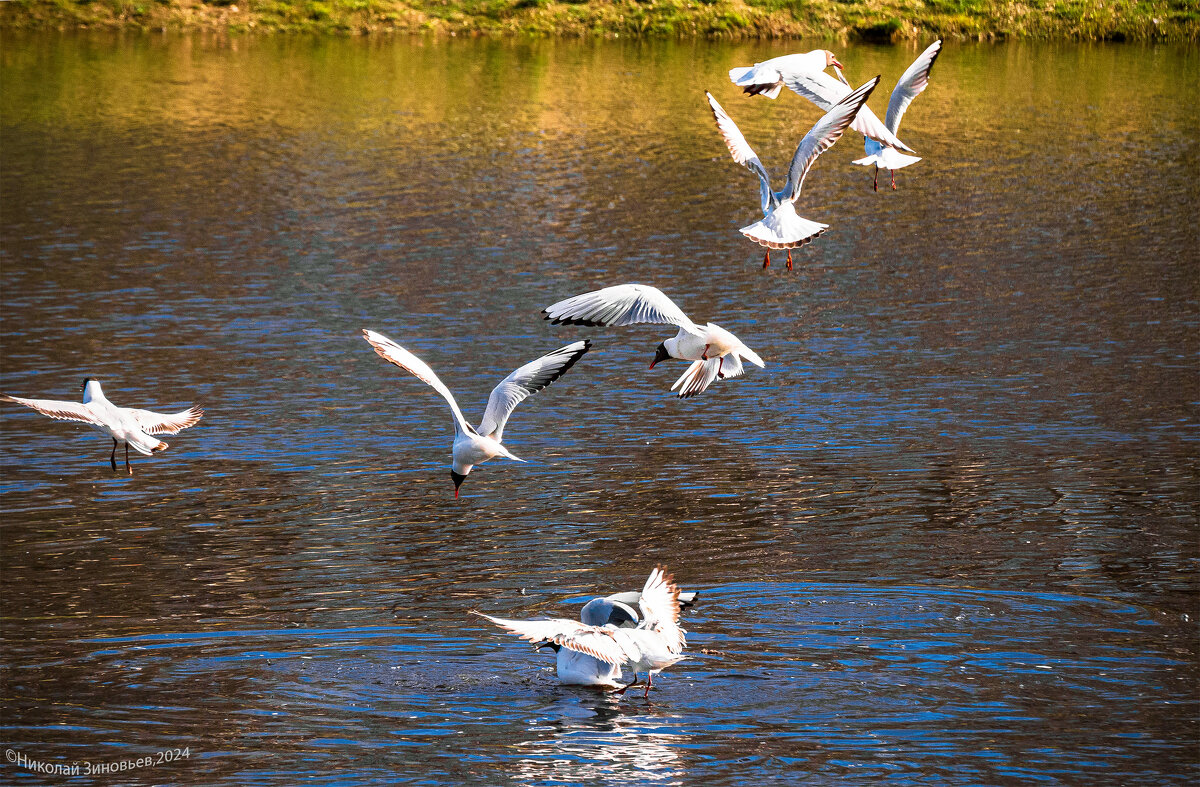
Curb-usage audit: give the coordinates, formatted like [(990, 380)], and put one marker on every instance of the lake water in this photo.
[(947, 536)]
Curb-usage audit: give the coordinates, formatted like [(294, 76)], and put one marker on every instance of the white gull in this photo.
[(474, 446)]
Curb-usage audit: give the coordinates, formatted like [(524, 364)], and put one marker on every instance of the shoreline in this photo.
[(880, 21)]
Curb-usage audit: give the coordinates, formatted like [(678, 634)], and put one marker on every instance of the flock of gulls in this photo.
[(611, 634)]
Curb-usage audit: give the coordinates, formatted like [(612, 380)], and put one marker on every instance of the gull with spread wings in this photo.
[(912, 83), (821, 89), (766, 78), (475, 446), (714, 351), (123, 424), (781, 227), (579, 669), (657, 642)]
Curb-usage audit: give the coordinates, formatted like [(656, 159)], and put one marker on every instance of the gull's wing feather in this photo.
[(594, 641), (623, 304), (687, 598), (696, 378), (911, 84), (825, 91), (660, 608), (167, 423), (525, 382), (821, 137), (740, 149), (817, 86), (393, 353), (60, 411)]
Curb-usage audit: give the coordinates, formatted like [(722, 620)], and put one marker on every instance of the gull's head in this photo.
[(91, 389), (458, 479), (660, 354), (831, 60)]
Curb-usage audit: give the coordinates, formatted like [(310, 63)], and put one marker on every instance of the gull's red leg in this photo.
[(113, 456), (893, 179)]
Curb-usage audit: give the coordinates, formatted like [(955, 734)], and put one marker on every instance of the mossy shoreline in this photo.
[(876, 20)]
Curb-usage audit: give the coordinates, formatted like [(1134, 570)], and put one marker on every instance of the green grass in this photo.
[(875, 20)]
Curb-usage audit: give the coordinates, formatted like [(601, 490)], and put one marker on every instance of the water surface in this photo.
[(948, 535)]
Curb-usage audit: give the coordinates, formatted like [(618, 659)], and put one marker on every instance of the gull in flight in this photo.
[(579, 669), (475, 446), (913, 82), (714, 351), (655, 643), (781, 227), (824, 91), (123, 424), (766, 78)]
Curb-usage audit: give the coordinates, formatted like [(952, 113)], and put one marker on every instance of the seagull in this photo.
[(781, 227), (579, 669), (715, 352), (475, 446), (657, 641), (123, 424), (766, 78), (911, 84), (824, 91)]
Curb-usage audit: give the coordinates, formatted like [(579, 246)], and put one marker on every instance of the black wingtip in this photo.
[(574, 321)]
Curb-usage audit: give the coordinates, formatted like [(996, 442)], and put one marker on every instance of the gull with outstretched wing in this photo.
[(715, 352), (912, 83), (475, 446), (653, 644), (781, 227), (766, 78), (126, 425)]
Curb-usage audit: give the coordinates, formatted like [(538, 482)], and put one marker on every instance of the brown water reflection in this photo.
[(948, 534)]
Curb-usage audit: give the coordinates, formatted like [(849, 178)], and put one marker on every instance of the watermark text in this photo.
[(85, 768)]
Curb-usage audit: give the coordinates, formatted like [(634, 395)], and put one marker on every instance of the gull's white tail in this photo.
[(885, 158), (744, 78), (783, 228), (145, 444)]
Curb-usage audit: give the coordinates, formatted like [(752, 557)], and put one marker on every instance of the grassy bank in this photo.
[(884, 20)]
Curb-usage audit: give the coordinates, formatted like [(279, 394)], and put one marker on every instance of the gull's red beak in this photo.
[(837, 65)]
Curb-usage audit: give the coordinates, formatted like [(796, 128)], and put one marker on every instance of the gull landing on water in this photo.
[(475, 446), (579, 669), (716, 353), (655, 643), (781, 227), (123, 424)]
